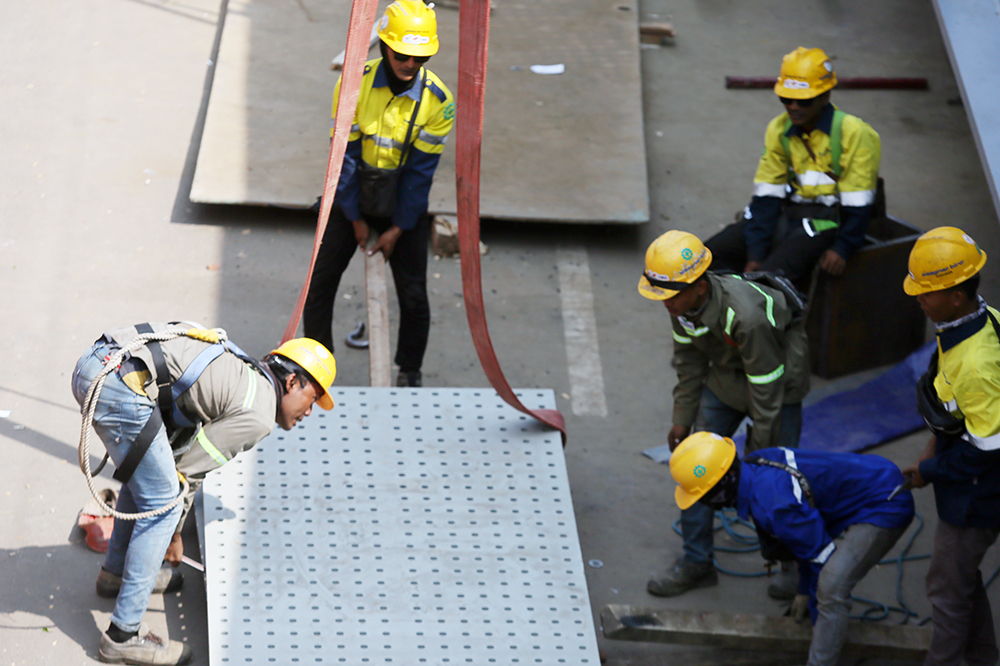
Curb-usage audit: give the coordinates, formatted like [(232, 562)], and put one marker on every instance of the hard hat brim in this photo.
[(654, 293), (325, 401), (684, 499)]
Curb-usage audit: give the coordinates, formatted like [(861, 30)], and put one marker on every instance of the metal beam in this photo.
[(756, 632)]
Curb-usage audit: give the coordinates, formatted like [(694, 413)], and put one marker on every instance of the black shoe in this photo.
[(168, 580), (683, 576), (411, 379)]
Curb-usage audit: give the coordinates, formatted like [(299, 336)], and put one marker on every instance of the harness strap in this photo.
[(799, 476), (836, 144), (164, 399), (139, 447)]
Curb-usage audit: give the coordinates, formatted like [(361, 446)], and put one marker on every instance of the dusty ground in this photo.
[(102, 102)]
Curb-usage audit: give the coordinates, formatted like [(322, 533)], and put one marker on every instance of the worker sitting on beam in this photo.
[(814, 191), (401, 124), (184, 403), (800, 501), (740, 350)]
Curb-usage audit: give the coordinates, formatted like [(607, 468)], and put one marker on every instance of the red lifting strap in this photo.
[(474, 31), (474, 28), (355, 54)]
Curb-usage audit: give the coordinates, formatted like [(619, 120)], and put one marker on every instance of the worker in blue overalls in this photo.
[(800, 501)]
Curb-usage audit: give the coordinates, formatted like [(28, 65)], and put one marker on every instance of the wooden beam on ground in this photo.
[(377, 296), (756, 632)]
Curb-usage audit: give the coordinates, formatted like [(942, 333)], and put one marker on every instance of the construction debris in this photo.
[(444, 236)]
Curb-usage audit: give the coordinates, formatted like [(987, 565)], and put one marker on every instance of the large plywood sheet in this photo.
[(406, 526), (566, 147)]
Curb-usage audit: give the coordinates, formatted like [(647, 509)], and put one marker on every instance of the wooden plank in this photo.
[(756, 632), (379, 359)]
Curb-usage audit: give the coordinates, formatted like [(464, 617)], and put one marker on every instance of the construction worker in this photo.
[(182, 406), (740, 350), (814, 191), (402, 121), (959, 397), (800, 501)]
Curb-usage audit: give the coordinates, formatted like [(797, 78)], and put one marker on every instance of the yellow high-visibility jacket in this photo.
[(817, 168), (378, 133)]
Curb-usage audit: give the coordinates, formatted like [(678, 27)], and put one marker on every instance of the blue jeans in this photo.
[(697, 522), (137, 547)]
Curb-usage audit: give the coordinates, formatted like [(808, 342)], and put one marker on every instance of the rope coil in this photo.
[(90, 407)]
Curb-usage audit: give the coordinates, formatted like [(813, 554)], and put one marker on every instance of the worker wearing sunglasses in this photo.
[(814, 190), (403, 117)]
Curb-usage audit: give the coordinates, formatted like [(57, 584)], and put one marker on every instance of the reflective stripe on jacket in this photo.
[(379, 131), (744, 347)]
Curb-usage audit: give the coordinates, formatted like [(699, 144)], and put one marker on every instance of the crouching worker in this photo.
[(185, 404), (802, 500)]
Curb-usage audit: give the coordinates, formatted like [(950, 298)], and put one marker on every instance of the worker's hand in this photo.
[(677, 435), (387, 242), (175, 551), (751, 267), (361, 233), (912, 476), (832, 263), (800, 608)]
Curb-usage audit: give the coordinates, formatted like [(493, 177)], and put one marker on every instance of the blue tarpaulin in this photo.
[(879, 410)]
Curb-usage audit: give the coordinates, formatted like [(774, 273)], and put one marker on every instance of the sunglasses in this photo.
[(803, 103), (402, 57)]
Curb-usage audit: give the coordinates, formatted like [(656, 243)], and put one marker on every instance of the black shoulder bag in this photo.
[(378, 186)]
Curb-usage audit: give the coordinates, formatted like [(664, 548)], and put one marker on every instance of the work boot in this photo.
[(785, 585), (167, 580), (411, 379), (142, 650), (683, 576)]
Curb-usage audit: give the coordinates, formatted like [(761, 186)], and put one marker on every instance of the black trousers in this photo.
[(793, 251), (409, 273)]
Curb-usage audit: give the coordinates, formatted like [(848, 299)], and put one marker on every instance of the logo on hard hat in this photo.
[(416, 39), (700, 471), (795, 84), (687, 254), (384, 23)]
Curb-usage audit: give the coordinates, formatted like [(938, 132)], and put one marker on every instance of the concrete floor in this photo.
[(103, 100)]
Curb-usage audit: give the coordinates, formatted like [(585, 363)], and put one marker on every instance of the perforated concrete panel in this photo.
[(405, 526)]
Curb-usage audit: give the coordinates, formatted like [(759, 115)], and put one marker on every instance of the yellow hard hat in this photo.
[(409, 27), (942, 258), (673, 260), (315, 359), (805, 73), (699, 463)]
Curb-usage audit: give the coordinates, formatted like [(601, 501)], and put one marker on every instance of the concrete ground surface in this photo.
[(102, 101)]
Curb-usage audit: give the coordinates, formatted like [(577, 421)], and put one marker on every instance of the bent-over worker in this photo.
[(186, 405), (740, 350), (800, 501)]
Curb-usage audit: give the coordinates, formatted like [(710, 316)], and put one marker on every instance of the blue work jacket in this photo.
[(848, 488)]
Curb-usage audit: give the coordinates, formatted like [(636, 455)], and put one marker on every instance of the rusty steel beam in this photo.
[(852, 83)]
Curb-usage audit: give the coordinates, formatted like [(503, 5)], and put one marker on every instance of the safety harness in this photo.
[(836, 149), (167, 413)]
